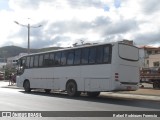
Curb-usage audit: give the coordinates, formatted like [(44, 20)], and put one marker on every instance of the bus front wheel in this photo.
[(72, 89), (27, 86)]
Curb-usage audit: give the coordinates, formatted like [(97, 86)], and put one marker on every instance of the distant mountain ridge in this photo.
[(11, 51)]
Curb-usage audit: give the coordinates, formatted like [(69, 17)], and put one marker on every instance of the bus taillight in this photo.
[(116, 77)]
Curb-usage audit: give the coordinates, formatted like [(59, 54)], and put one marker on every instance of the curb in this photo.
[(12, 87), (131, 96)]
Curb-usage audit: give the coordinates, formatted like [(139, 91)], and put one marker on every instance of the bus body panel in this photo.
[(97, 77), (122, 73), (126, 73), (125, 67), (88, 78)]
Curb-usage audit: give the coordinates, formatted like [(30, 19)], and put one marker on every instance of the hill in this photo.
[(10, 51)]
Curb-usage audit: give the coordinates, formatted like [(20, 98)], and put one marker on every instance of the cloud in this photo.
[(17, 5), (86, 3), (106, 27), (38, 43), (72, 26), (101, 21), (69, 21), (123, 26), (25, 4), (150, 6), (147, 38)]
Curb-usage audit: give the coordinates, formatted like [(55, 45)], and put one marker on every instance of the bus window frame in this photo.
[(126, 58), (68, 53), (36, 61), (80, 50), (41, 66)]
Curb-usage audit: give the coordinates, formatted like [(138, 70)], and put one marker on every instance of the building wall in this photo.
[(2, 65), (143, 58), (154, 60), (148, 56)]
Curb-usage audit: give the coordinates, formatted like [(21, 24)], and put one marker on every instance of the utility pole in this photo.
[(28, 27), (28, 38)]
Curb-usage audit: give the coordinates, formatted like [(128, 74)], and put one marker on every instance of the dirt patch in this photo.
[(143, 92)]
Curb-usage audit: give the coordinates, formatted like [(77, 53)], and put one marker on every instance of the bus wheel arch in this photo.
[(71, 88), (26, 86)]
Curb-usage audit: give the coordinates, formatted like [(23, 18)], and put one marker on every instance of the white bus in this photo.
[(91, 69)]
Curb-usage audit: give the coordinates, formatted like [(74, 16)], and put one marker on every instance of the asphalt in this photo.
[(145, 93)]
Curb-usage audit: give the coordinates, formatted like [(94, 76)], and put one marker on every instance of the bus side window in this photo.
[(21, 62), (57, 58), (51, 59), (85, 52), (24, 61), (31, 61), (77, 58), (63, 57), (92, 55), (107, 54), (99, 54), (70, 58), (21, 66), (36, 61), (40, 61), (27, 62), (46, 60)]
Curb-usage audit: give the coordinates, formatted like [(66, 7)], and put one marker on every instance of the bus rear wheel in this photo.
[(93, 94), (72, 89), (27, 86)]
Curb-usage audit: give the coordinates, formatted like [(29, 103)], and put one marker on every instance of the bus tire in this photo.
[(93, 94), (47, 90), (71, 88), (27, 86)]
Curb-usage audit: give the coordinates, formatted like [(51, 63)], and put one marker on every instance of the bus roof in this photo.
[(70, 48)]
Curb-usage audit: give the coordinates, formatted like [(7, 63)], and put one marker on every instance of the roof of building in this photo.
[(148, 47)]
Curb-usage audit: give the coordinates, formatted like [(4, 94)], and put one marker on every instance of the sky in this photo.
[(65, 22)]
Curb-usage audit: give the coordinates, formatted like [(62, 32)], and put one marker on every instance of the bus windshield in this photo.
[(128, 52), (21, 63)]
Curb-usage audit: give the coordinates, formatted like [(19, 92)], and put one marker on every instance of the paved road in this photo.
[(18, 100)]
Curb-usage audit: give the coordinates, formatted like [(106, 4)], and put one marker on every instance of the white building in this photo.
[(2, 63), (153, 60), (149, 56)]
